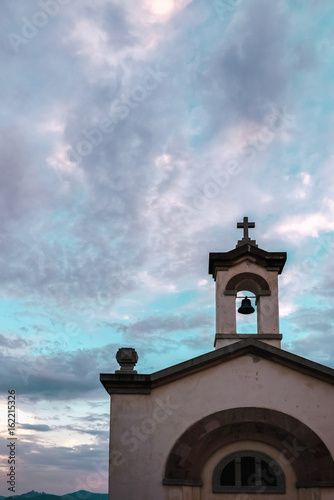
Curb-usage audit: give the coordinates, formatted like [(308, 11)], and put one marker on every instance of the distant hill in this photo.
[(84, 495), (77, 495)]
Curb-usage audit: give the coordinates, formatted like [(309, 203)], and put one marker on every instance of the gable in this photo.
[(143, 384)]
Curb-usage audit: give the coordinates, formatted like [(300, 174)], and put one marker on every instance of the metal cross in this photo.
[(245, 225)]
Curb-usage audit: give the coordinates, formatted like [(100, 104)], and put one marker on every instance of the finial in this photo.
[(126, 357), (245, 225)]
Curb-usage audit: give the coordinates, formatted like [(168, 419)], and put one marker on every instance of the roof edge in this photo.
[(143, 384), (262, 257)]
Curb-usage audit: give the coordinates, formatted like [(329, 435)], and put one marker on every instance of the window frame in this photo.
[(258, 487)]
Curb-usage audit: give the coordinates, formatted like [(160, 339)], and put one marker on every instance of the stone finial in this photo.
[(126, 357)]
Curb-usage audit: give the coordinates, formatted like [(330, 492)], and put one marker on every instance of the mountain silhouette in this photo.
[(77, 495)]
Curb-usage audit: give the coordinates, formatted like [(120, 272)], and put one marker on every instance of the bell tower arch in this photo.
[(247, 267)]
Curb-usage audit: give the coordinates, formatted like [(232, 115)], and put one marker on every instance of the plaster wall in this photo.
[(145, 427), (182, 493), (324, 494)]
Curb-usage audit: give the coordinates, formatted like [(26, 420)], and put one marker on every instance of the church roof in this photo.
[(116, 383), (269, 260)]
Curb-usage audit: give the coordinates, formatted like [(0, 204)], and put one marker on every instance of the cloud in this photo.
[(309, 333), (156, 325), (120, 183), (317, 346), (13, 342), (80, 467), (302, 226), (244, 78), (94, 418), (37, 427), (103, 434), (59, 376)]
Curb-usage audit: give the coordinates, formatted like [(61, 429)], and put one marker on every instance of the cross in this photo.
[(245, 225)]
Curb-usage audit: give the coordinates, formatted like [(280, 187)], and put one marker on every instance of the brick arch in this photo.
[(298, 444), (260, 283)]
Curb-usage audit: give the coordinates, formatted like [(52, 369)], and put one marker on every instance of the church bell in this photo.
[(246, 307)]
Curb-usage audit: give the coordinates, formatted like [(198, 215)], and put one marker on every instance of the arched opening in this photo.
[(246, 323), (255, 286), (296, 443)]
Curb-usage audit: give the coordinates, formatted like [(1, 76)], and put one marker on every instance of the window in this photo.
[(248, 471)]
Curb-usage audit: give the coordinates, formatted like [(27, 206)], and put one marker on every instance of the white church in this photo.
[(245, 421)]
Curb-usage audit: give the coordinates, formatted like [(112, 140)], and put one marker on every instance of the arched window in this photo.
[(248, 471)]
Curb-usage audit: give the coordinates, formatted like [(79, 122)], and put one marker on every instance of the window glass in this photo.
[(227, 477), (248, 471), (268, 477)]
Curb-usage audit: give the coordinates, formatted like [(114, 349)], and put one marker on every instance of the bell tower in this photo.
[(250, 268)]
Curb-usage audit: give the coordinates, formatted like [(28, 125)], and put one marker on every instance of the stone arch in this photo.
[(298, 444), (247, 281)]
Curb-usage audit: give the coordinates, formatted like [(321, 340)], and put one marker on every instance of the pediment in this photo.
[(144, 384)]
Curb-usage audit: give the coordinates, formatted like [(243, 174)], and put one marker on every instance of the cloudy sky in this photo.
[(135, 134)]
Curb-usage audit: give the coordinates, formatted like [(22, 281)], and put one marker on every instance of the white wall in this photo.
[(144, 428)]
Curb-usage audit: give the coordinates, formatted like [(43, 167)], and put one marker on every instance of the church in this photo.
[(244, 421)]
